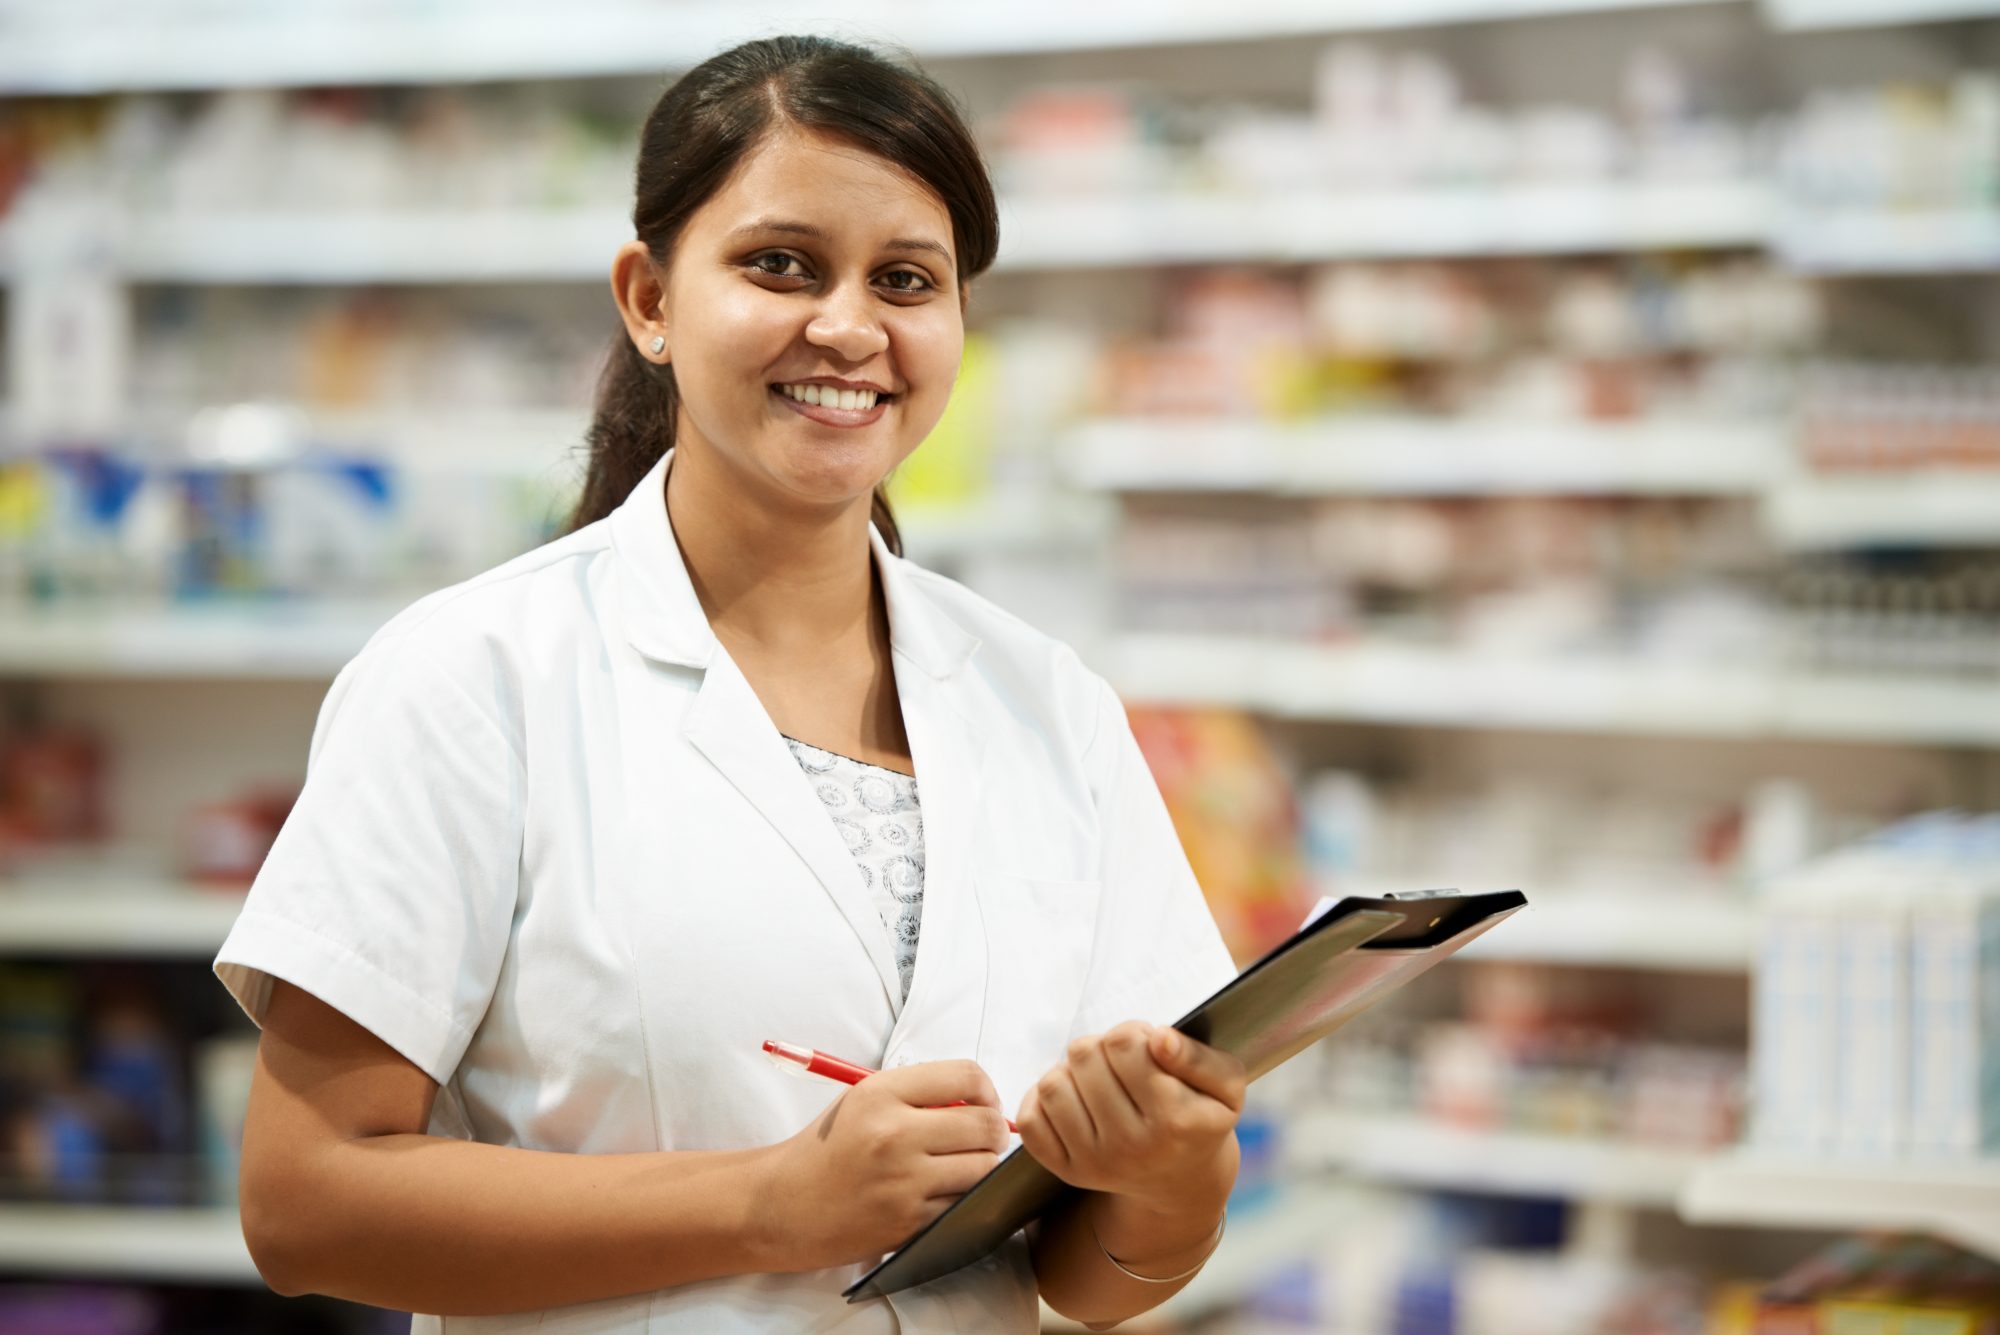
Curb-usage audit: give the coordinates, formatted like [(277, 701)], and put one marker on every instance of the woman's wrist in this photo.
[(1160, 1234)]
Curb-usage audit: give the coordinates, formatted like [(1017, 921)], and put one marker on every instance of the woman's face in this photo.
[(817, 261)]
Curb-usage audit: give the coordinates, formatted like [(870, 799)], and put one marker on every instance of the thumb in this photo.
[(1208, 1070)]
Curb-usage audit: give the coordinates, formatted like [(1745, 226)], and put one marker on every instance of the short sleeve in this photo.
[(1157, 951), (390, 891)]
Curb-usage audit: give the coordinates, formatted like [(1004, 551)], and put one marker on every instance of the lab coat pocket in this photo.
[(1038, 941)]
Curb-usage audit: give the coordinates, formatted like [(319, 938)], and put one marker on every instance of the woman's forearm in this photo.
[(425, 1224), (1076, 1278)]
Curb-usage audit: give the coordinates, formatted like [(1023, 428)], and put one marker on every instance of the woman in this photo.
[(580, 833)]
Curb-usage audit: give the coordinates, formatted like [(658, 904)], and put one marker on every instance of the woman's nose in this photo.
[(846, 325)]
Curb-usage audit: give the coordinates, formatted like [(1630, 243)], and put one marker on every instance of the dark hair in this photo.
[(697, 134)]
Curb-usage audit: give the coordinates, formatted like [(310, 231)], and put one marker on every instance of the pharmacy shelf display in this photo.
[(451, 246), (1865, 242), (1364, 683), (124, 1242), (1458, 457), (178, 46), (130, 915), (1820, 15), (1416, 1152), (1419, 686), (1957, 1201), (1886, 510), (123, 917)]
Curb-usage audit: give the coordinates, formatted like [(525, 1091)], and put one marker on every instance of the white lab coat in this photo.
[(552, 849)]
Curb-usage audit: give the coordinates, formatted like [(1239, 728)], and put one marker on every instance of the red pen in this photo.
[(816, 1062)]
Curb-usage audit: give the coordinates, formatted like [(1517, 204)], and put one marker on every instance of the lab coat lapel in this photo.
[(727, 723), (729, 726), (939, 697), (947, 750)]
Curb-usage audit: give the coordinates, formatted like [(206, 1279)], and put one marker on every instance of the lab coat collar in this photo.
[(664, 619)]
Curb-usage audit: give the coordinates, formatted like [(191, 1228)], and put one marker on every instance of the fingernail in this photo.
[(1172, 1044)]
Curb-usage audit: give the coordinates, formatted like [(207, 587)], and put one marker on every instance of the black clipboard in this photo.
[(1303, 989)]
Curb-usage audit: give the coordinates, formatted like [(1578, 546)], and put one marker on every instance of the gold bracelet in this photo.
[(1170, 1279)]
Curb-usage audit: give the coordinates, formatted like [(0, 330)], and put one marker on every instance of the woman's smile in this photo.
[(828, 415)]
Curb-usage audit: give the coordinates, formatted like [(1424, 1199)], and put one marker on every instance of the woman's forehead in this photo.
[(846, 193)]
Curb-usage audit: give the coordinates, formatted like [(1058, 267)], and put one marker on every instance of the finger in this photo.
[(1112, 1109), (1063, 1107), (1209, 1070), (930, 1083), (952, 1175), (1038, 1138), (1158, 1092), (944, 1131)]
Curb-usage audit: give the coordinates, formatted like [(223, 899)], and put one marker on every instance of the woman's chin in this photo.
[(833, 475)]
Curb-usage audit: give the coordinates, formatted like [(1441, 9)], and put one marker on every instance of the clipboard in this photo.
[(1341, 961)]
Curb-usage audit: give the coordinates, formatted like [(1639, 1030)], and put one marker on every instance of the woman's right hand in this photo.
[(881, 1162)]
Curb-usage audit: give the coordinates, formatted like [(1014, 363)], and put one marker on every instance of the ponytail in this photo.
[(637, 402)]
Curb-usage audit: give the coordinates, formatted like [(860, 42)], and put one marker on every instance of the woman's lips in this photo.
[(833, 416)]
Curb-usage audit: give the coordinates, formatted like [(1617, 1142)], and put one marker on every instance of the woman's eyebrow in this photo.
[(819, 234)]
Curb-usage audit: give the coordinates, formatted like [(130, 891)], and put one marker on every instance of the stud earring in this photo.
[(658, 345)]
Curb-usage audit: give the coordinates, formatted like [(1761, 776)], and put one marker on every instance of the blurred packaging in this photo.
[(1877, 1012), (1232, 807)]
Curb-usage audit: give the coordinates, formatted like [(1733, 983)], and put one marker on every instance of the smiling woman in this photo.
[(718, 767), (809, 217)]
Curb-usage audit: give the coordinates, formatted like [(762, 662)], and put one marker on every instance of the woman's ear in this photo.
[(642, 300)]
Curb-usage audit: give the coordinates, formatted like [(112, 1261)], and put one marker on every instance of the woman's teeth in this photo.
[(826, 396)]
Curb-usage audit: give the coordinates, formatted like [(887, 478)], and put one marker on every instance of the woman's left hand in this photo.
[(1141, 1111)]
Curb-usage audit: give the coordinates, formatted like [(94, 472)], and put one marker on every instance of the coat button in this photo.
[(902, 1059)]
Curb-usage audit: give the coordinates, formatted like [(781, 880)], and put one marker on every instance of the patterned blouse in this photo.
[(875, 809)]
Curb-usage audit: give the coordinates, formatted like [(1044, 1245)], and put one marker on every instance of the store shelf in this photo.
[(1817, 15), (1304, 227), (114, 917), (1689, 930), (1416, 1152), (181, 46), (1957, 1201), (301, 641), (1416, 686), (359, 246), (1834, 241), (1258, 1243), (162, 1245), (1456, 457), (362, 246), (1887, 510)]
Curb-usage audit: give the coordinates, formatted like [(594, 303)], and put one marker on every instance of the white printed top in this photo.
[(875, 809)]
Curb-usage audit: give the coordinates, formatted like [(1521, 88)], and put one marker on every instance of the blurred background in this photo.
[(1490, 443)]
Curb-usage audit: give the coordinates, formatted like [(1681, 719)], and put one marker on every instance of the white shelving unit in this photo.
[(179, 1246), (268, 641), (1416, 686), (576, 244), (1868, 242), (114, 916), (1958, 1201), (1424, 457), (1819, 15), (1428, 1154), (1692, 931), (1310, 226), (1864, 509), (248, 45)]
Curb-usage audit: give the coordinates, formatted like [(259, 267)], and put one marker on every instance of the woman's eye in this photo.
[(759, 264), (923, 284)]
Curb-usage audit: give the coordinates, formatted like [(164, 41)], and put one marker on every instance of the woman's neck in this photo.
[(785, 583)]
